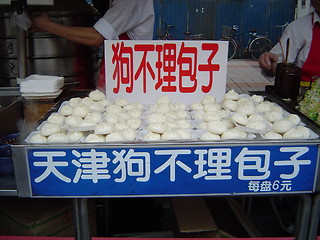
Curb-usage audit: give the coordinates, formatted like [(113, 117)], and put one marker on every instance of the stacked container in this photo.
[(48, 54)]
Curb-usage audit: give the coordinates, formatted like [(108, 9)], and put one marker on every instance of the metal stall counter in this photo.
[(23, 115), (120, 168), (310, 117)]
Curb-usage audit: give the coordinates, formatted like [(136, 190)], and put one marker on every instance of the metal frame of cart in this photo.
[(169, 169)]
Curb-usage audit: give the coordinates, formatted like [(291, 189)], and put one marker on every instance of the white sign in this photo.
[(40, 2), (186, 71), (5, 2)]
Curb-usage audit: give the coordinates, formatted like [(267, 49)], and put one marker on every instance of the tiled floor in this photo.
[(244, 75)]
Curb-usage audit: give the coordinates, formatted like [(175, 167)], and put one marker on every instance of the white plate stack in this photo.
[(38, 86)]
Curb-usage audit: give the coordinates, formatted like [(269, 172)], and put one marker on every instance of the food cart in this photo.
[(166, 169), (188, 167)]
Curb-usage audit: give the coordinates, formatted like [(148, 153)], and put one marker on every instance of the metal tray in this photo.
[(24, 169)]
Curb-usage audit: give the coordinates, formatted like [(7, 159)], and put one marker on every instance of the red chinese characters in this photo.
[(123, 66), (167, 67), (210, 68)]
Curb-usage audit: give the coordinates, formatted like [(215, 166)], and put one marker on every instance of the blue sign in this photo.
[(170, 171)]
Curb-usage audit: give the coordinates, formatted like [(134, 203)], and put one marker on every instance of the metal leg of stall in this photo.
[(21, 43), (303, 217), (314, 218), (22, 53), (81, 219)]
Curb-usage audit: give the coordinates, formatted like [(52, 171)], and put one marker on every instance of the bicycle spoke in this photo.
[(258, 46)]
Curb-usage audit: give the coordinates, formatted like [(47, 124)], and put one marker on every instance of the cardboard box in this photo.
[(194, 219), (40, 217)]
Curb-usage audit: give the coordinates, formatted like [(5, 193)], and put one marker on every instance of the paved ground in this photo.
[(244, 75)]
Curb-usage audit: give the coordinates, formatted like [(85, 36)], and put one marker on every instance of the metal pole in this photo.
[(188, 15), (314, 219), (81, 216), (22, 53), (21, 42), (303, 216)]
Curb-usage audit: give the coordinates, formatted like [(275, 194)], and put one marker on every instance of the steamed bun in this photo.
[(66, 110), (73, 121), (95, 138), (294, 118), (97, 117), (170, 135), (232, 134), (208, 99), (211, 116), (97, 95), (134, 123), (50, 128), (196, 106), (239, 118), (87, 123), (56, 118), (282, 126), (75, 136), (231, 95), (263, 107), (246, 109), (86, 101), (114, 108), (74, 101), (157, 127), (211, 107), (273, 135), (305, 132), (207, 136), (80, 110), (121, 102), (38, 138), (104, 128), (96, 107), (257, 98), (115, 137), (217, 127), (292, 134), (58, 138), (151, 136), (230, 104), (257, 125), (129, 134), (156, 118), (273, 116)]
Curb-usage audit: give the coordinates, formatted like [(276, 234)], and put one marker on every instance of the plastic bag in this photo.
[(21, 20), (310, 103)]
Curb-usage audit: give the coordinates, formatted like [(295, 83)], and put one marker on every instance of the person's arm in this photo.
[(268, 63), (82, 35), (125, 16)]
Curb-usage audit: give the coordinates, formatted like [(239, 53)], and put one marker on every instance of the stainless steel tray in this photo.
[(22, 167)]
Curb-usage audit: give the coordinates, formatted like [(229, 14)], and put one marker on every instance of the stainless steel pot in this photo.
[(47, 53), (62, 66), (50, 46)]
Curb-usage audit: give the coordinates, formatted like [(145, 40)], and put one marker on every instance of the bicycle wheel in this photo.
[(258, 46), (232, 47), (197, 37)]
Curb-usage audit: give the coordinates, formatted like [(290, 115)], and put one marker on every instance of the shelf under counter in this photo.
[(8, 186)]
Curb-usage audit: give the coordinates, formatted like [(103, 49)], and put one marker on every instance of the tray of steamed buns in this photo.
[(96, 119)]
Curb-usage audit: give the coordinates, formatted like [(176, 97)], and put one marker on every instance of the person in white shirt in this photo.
[(304, 50), (134, 17), (125, 19)]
